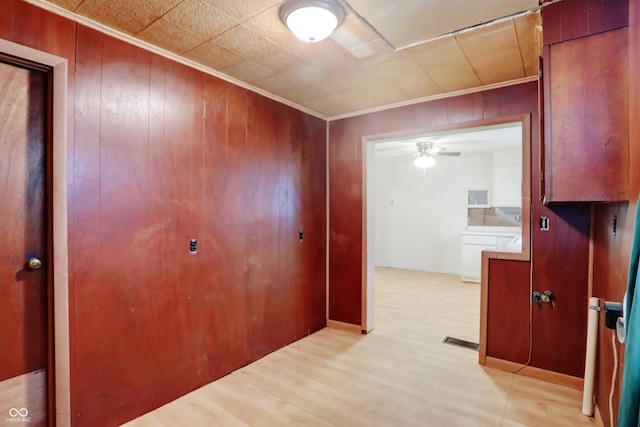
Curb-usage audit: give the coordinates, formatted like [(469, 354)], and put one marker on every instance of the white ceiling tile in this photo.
[(200, 17), (242, 10), (247, 71), (351, 70), (494, 52), (408, 22)]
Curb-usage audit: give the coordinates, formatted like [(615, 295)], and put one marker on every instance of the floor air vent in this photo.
[(461, 343)]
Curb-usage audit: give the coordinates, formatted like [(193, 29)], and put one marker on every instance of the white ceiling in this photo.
[(410, 22), (351, 72), (472, 141)]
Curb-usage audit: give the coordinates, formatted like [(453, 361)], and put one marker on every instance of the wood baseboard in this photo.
[(530, 371), (334, 324)]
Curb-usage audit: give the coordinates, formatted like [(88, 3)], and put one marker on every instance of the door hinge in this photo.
[(541, 176), (540, 73)]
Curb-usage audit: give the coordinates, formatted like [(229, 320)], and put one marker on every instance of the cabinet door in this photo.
[(586, 119), (471, 262), (472, 256)]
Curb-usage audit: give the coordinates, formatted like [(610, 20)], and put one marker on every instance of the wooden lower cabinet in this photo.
[(508, 310)]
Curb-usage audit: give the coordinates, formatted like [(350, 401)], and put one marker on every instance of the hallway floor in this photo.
[(401, 374)]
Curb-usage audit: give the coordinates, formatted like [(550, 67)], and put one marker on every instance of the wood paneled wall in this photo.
[(634, 103), (577, 18), (570, 19), (611, 251), (610, 266), (560, 255), (561, 264), (158, 154), (345, 172)]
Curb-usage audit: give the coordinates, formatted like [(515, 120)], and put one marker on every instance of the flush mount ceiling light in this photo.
[(311, 20)]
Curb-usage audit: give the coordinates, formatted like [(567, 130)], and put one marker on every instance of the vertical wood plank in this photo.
[(573, 18), (345, 238), (634, 98), (6, 19), (85, 355), (460, 109), (552, 23), (607, 15), (266, 248), (442, 112), (514, 99), (125, 243), (491, 104), (476, 109), (225, 232), (314, 167), (60, 37), (610, 261), (27, 24)]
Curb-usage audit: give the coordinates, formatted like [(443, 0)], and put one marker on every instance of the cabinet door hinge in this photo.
[(540, 73), (541, 176)]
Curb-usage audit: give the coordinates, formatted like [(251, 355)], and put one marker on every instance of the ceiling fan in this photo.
[(424, 158), (430, 148)]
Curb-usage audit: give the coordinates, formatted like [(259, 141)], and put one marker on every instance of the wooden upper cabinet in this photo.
[(586, 138)]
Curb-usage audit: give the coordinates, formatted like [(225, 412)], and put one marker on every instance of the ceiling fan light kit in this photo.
[(424, 158), (311, 20), (424, 161)]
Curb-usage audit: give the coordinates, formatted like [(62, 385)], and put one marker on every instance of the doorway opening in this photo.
[(416, 216)]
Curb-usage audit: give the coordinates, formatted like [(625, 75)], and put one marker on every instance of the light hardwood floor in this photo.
[(399, 375)]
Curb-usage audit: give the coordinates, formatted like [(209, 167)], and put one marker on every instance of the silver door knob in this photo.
[(34, 264)]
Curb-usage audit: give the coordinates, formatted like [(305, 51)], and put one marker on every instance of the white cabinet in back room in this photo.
[(473, 243)]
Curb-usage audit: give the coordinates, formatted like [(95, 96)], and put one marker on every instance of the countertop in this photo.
[(493, 231)]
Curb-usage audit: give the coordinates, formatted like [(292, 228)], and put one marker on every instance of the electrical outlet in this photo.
[(542, 297), (536, 296), (544, 223)]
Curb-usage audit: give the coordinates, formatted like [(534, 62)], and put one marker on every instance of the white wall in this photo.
[(418, 217), (507, 178)]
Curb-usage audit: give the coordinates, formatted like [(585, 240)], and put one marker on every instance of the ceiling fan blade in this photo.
[(448, 153), (396, 148)]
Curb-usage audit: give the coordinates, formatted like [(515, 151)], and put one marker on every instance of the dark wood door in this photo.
[(23, 286)]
